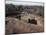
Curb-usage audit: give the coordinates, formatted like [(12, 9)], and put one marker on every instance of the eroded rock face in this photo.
[(15, 25)]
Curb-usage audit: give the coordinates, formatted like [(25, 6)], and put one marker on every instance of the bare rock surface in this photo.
[(15, 25)]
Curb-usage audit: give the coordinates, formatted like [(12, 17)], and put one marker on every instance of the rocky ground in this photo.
[(28, 21), (16, 25)]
